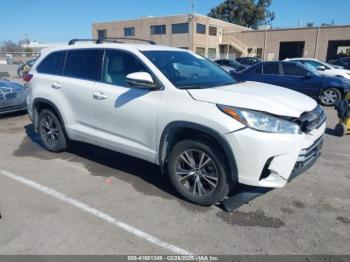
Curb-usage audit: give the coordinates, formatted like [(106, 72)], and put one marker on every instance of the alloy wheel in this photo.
[(49, 130), (329, 97), (197, 172)]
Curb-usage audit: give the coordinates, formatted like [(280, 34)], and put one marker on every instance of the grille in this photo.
[(309, 153), (311, 120)]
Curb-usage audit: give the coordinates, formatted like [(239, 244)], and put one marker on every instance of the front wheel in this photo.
[(330, 96), (198, 172)]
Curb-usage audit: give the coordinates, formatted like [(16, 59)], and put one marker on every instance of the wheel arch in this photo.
[(41, 103), (179, 130)]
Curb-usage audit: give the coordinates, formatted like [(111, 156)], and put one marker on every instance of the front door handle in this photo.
[(99, 96), (56, 85)]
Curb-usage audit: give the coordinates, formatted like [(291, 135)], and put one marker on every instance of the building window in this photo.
[(102, 33), (180, 28), (200, 51), (212, 53), (158, 29), (201, 29), (213, 30), (129, 31)]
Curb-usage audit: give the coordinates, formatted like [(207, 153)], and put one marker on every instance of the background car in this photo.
[(23, 69), (344, 62), (293, 75), (12, 97), (323, 68), (230, 63), (248, 61)]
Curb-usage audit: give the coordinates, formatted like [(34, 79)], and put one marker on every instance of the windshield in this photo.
[(186, 70)]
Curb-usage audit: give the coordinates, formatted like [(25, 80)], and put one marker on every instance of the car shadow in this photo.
[(131, 94), (13, 114), (145, 177)]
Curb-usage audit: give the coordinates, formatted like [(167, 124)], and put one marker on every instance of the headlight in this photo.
[(260, 121)]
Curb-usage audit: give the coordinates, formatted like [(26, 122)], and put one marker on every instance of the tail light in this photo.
[(27, 77)]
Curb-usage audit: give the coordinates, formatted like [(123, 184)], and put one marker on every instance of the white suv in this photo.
[(206, 131)]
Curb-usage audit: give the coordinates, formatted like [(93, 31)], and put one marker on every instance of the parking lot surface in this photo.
[(65, 204)]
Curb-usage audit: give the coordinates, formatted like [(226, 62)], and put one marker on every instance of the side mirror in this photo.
[(321, 68), (141, 80)]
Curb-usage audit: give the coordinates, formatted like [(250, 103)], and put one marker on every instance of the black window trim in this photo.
[(44, 58), (155, 78)]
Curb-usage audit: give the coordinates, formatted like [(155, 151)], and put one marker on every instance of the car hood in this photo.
[(257, 96)]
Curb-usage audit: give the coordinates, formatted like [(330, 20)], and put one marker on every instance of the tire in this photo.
[(329, 96), (340, 129), (192, 182), (51, 132)]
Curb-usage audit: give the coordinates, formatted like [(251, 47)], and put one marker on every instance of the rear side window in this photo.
[(52, 64), (84, 64), (292, 69), (271, 69)]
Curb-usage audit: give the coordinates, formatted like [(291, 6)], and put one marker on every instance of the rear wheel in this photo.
[(198, 172), (51, 132), (330, 96)]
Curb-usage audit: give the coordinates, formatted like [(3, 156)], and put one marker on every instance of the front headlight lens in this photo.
[(260, 121)]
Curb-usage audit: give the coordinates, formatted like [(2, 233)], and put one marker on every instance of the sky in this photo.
[(61, 20)]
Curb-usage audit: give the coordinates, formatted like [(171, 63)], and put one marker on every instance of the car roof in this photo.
[(125, 46)]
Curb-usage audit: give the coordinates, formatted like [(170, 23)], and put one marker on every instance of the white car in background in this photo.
[(322, 67)]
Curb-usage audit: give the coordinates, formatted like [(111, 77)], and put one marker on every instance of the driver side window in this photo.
[(117, 65)]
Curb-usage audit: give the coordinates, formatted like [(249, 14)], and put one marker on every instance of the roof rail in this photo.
[(115, 40), (109, 39), (73, 41)]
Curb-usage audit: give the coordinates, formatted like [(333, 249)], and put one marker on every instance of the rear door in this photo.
[(296, 77), (82, 69)]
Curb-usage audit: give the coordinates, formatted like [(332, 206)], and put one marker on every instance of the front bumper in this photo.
[(270, 160)]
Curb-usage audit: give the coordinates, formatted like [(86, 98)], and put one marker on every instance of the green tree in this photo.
[(248, 13)]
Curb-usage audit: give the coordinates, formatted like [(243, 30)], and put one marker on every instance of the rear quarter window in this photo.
[(52, 64)]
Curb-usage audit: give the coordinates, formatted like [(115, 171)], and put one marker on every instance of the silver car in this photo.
[(12, 97)]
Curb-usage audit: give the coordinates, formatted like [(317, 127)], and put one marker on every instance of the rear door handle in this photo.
[(99, 96), (56, 85)]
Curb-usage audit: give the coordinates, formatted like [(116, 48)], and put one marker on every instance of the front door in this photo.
[(125, 117), (295, 77)]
